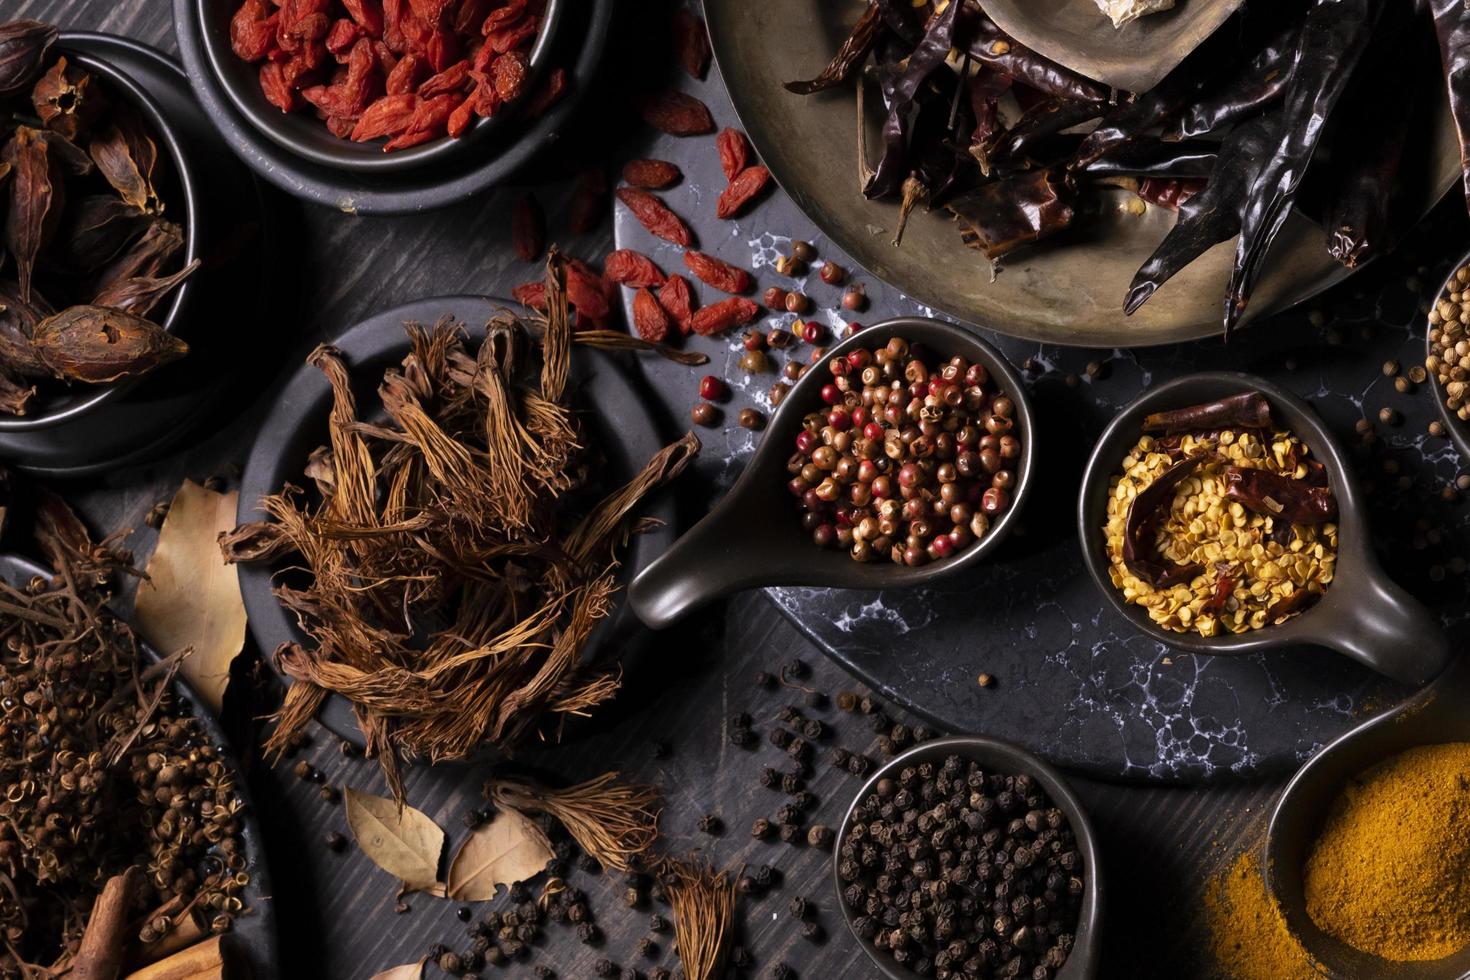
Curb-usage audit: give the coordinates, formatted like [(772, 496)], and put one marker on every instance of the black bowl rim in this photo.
[(266, 469), (163, 130), (258, 928), (1096, 477), (1086, 949), (352, 193), (1457, 428), (359, 157)]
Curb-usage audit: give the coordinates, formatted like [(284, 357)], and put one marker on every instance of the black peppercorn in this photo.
[(765, 681), (812, 930), (449, 962), (796, 668), (798, 908), (819, 836), (790, 833), (815, 730), (656, 923), (780, 738), (742, 738), (604, 968), (335, 842), (588, 933), (710, 824)]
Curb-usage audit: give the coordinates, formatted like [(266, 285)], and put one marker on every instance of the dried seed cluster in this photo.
[(908, 462), (1252, 569), (1450, 362), (954, 871)]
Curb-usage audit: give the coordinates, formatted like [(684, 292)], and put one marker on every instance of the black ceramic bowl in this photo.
[(1362, 615), (253, 935), (1455, 427), (1000, 756), (302, 134), (57, 403), (753, 537), (621, 427)]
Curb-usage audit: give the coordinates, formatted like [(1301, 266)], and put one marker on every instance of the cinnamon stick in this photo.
[(202, 961), (105, 939)]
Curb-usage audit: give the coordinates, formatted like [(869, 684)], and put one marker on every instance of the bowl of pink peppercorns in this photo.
[(903, 456)]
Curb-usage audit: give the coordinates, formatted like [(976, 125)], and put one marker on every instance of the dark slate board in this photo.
[(1074, 681)]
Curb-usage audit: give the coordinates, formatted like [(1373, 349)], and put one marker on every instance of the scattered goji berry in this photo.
[(718, 273), (656, 216), (734, 152), (677, 300), (588, 291), (676, 114), (691, 43), (630, 268), (528, 228), (746, 186), (649, 319), (733, 312), (651, 175), (549, 94), (531, 295), (588, 202)]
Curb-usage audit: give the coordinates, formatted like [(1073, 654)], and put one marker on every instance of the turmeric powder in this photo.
[(1248, 937), (1390, 874)]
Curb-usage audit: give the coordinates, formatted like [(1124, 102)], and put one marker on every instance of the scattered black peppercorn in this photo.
[(815, 730), (588, 933), (647, 948), (742, 738), (544, 972), (589, 864), (790, 833), (798, 908), (858, 765), (629, 973), (604, 968), (302, 770), (796, 668), (632, 898), (847, 701), (819, 836), (710, 824), (746, 885), (812, 930), (782, 972), (657, 923), (765, 680), (780, 738), (330, 794), (790, 715), (336, 842), (791, 784), (799, 749), (659, 973), (761, 829), (839, 757), (449, 962), (764, 875)]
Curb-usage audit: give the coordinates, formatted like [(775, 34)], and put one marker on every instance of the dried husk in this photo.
[(23, 47), (96, 344), (126, 156), (95, 230), (456, 566), (148, 255), (37, 197), (141, 294), (68, 99), (18, 321)]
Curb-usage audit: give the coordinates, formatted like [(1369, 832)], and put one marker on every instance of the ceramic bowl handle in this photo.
[(703, 565), (1390, 631)]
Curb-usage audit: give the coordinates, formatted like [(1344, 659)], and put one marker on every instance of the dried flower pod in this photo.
[(18, 320), (36, 200), (68, 99), (95, 230), (97, 344), (140, 294), (147, 256), (126, 155), (23, 47)]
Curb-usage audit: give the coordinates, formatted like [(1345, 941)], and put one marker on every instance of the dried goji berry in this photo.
[(656, 216), (253, 30), (512, 37), (530, 294), (404, 78), (486, 100), (649, 319), (588, 291), (528, 228), (677, 300), (430, 120), (367, 13), (389, 115), (430, 11), (718, 273), (549, 94), (746, 186), (630, 268), (733, 312), (451, 79), (734, 152), (461, 117), (588, 202), (509, 74), (676, 114), (442, 49), (651, 175), (273, 84), (691, 43), (343, 35)]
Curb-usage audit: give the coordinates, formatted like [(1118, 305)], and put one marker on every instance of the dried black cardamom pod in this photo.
[(145, 257), (126, 156), (23, 46), (37, 198), (141, 293), (96, 344), (68, 99), (18, 320), (95, 230)]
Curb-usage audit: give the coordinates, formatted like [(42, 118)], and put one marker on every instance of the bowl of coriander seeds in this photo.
[(1447, 358)]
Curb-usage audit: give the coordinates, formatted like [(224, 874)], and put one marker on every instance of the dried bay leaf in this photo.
[(403, 842), (23, 46), (141, 293), (97, 344), (507, 850), (408, 971), (37, 199), (191, 598)]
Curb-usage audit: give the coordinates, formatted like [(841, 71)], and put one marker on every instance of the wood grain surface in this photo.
[(337, 911)]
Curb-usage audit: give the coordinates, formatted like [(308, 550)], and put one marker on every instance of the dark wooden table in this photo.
[(336, 912)]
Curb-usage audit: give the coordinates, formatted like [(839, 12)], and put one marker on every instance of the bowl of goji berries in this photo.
[(379, 86)]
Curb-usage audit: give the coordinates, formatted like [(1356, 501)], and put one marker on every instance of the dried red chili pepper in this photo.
[(651, 175), (528, 228), (588, 202), (854, 51), (733, 312), (1278, 496), (649, 318), (676, 114), (1149, 506), (718, 273), (746, 187), (1224, 587), (629, 268), (1247, 410), (691, 43), (654, 215), (677, 300), (734, 152)]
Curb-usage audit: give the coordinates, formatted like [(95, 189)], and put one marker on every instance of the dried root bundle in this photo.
[(704, 914), (615, 822), (456, 556)]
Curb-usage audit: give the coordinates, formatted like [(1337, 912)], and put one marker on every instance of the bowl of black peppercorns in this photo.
[(970, 857)]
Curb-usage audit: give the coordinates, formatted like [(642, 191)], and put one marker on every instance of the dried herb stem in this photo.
[(614, 821)]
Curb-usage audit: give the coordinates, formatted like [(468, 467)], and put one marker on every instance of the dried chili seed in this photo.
[(691, 43), (528, 229), (651, 175), (718, 273), (629, 268), (717, 317), (654, 215), (745, 188), (677, 300), (649, 318), (734, 151), (676, 114)]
